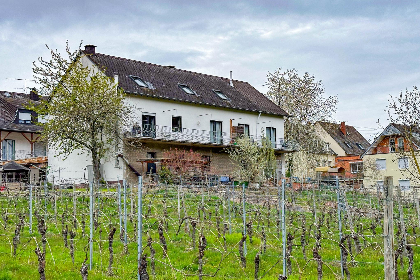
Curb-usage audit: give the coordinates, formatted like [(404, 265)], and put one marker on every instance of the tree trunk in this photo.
[(96, 162)]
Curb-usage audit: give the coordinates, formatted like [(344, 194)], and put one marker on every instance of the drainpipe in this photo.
[(256, 125)]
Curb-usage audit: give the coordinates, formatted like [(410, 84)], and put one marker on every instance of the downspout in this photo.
[(256, 125)]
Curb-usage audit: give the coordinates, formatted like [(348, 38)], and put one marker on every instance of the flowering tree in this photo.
[(254, 162), (83, 108), (302, 97), (183, 162)]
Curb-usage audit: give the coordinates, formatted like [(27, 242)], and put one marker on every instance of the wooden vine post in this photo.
[(389, 263)]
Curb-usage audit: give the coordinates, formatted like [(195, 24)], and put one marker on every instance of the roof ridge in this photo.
[(166, 66)]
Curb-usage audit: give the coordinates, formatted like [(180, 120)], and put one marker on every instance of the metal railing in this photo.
[(196, 136)]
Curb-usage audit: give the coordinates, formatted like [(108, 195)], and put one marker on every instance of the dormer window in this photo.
[(348, 145), (187, 89), (25, 117), (360, 146), (220, 94), (139, 82)]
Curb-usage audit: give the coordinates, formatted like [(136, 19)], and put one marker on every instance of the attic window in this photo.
[(360, 146), (139, 82), (220, 94), (186, 89), (348, 145)]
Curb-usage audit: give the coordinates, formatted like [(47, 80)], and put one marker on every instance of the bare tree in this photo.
[(303, 98), (405, 109)]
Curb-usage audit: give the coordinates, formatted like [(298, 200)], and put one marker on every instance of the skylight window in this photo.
[(186, 88), (360, 146), (220, 94), (139, 82)]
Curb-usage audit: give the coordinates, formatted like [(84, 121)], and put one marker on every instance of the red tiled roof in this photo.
[(353, 138)]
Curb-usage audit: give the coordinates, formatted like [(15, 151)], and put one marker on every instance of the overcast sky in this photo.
[(363, 51)]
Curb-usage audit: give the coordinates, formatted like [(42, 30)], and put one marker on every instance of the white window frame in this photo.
[(25, 117), (359, 168), (404, 184), (403, 163), (399, 141), (382, 166), (392, 146)]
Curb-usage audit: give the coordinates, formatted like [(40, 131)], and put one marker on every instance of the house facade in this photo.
[(347, 145), (176, 109), (19, 135), (391, 154)]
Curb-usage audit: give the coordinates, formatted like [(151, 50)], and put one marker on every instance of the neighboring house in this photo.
[(347, 145), (19, 134), (390, 155), (178, 109)]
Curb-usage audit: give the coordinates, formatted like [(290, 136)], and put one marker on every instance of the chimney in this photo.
[(343, 128), (231, 80), (33, 95), (90, 49)]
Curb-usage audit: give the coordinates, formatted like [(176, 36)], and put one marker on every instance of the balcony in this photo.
[(194, 136)]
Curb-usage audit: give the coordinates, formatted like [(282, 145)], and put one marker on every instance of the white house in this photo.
[(19, 136), (177, 108)]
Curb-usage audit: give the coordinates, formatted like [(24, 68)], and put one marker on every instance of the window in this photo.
[(149, 125), (360, 146), (139, 82), (348, 145), (380, 185), (401, 144), (403, 163), (245, 129), (186, 89), (356, 167), (176, 124), (220, 94), (392, 145), (8, 149), (270, 133), (151, 155), (216, 132), (404, 184), (381, 164), (40, 149), (25, 117)]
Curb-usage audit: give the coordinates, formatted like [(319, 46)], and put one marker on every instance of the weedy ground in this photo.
[(209, 210)]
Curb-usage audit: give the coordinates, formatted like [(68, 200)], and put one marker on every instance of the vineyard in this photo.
[(198, 231)]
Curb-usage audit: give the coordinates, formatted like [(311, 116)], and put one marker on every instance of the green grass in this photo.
[(220, 260)]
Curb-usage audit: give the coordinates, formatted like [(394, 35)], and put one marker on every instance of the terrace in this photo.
[(196, 136)]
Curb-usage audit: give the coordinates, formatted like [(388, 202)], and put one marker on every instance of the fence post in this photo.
[(244, 215), (91, 226), (416, 200), (119, 203), (125, 211), (279, 205), (401, 212), (45, 199), (340, 226), (389, 262), (139, 225), (283, 223), (74, 200), (179, 201), (30, 209), (230, 193)]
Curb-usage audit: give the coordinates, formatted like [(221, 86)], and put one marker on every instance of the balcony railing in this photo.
[(195, 136)]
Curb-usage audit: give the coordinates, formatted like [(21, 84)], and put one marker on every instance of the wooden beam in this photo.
[(1, 139)]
